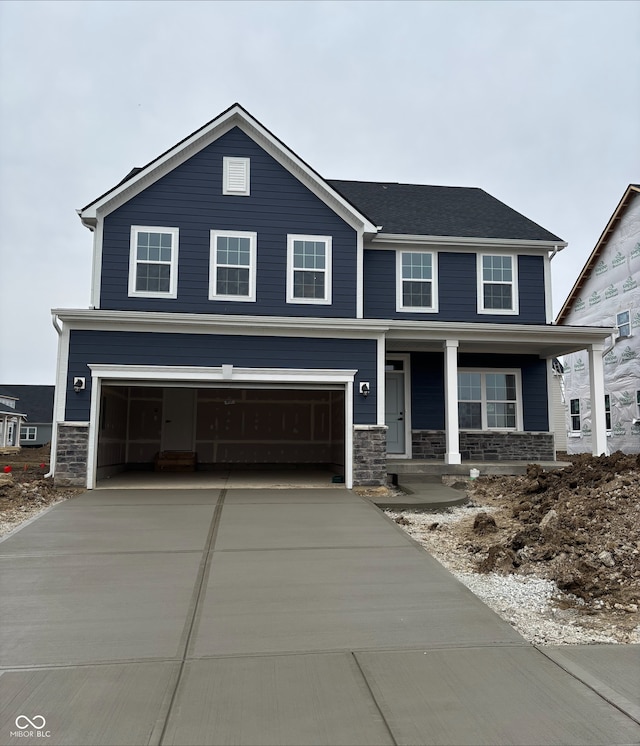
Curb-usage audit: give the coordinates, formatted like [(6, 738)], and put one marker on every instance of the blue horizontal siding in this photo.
[(147, 348), (457, 289), (427, 387), (190, 198)]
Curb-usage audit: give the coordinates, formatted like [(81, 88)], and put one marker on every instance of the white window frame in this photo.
[(400, 280), (514, 310), (213, 265), (483, 401), (627, 324), (30, 432), (236, 176), (577, 414), (133, 262), (327, 240)]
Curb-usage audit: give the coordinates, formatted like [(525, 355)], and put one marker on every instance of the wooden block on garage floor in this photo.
[(175, 461)]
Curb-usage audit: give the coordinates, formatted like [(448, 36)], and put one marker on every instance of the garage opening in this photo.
[(224, 427)]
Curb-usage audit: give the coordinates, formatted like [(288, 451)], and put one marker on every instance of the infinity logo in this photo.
[(38, 722)]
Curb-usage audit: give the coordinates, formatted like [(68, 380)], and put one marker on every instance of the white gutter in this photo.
[(556, 249), (54, 429)]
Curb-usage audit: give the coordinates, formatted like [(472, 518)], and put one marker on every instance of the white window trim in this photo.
[(213, 266), (326, 301), (433, 308), (483, 408), (133, 263), (30, 432), (229, 162), (514, 286), (619, 335), (572, 432)]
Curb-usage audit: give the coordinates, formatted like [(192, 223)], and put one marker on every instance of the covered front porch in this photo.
[(463, 394)]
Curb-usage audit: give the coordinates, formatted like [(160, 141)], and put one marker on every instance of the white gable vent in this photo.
[(235, 176)]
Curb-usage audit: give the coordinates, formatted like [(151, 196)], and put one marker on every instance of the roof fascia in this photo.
[(385, 240), (235, 116), (577, 337), (512, 332), (195, 323), (598, 249)]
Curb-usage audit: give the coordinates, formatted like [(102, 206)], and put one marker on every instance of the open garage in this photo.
[(222, 427)]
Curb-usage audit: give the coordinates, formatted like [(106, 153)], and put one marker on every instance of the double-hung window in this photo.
[(623, 323), (309, 269), (497, 284), (153, 262), (574, 412), (417, 281), (232, 266), (607, 410), (489, 400)]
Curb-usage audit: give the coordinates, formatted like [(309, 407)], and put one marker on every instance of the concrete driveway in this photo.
[(274, 617)]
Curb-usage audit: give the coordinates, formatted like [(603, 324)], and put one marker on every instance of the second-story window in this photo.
[(153, 262), (232, 267), (309, 269), (497, 284), (416, 286)]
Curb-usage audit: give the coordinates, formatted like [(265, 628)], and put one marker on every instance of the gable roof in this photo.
[(464, 212), (34, 400), (631, 191), (139, 179)]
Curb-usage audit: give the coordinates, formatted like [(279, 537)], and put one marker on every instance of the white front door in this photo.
[(178, 424), (394, 412)]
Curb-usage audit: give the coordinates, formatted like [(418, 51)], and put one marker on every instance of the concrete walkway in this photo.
[(273, 617)]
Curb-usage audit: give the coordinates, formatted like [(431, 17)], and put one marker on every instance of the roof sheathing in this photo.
[(591, 262)]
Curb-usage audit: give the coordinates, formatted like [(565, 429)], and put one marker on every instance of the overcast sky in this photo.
[(538, 103)]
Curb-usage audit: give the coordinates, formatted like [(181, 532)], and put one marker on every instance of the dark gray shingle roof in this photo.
[(35, 401), (414, 209)]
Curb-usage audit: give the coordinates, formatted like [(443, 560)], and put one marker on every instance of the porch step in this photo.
[(424, 493)]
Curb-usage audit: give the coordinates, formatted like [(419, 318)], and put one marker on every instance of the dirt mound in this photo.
[(579, 526), (24, 492)]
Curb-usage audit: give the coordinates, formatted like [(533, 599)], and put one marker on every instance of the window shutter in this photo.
[(236, 176)]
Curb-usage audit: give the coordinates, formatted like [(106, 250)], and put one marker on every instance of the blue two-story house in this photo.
[(248, 311)]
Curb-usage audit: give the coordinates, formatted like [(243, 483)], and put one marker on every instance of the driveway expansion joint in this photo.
[(190, 624)]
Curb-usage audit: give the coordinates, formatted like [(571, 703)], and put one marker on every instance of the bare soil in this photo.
[(578, 527), (24, 491)]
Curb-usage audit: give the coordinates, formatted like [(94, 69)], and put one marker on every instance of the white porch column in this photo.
[(452, 432), (598, 418)]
